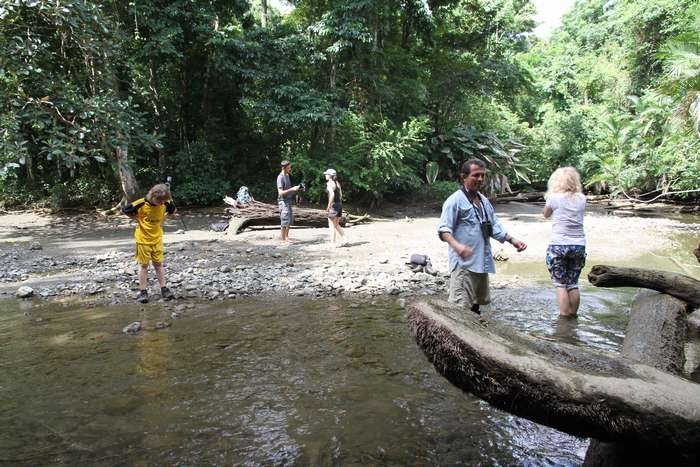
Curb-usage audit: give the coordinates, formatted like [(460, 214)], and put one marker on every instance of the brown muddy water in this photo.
[(264, 382)]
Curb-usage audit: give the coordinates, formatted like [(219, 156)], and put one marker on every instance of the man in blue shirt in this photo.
[(467, 224)]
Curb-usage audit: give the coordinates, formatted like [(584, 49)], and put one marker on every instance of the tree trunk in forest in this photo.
[(655, 336), (154, 99), (29, 167), (677, 285), (126, 175), (331, 84), (263, 15), (573, 389)]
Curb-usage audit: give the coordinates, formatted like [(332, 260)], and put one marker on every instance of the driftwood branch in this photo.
[(677, 285), (667, 193), (577, 390)]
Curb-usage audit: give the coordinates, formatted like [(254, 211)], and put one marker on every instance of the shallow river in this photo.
[(317, 382)]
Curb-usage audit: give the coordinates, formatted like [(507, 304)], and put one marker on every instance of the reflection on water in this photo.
[(257, 382)]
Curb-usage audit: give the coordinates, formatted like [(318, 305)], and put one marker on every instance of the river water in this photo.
[(284, 382), (269, 382)]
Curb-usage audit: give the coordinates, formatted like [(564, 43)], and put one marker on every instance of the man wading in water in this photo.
[(467, 224)]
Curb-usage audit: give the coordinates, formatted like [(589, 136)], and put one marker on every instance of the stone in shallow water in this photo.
[(132, 328), (24, 292)]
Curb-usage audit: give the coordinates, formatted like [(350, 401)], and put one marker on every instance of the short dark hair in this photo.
[(467, 166)]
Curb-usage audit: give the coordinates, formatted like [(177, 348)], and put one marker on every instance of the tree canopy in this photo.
[(103, 99)]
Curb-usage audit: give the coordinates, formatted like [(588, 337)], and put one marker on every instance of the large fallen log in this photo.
[(655, 336), (523, 197), (576, 390), (682, 287), (256, 213)]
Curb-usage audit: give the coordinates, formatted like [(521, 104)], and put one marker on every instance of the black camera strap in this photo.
[(479, 212)]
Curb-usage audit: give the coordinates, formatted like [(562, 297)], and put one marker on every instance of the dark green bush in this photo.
[(200, 176)]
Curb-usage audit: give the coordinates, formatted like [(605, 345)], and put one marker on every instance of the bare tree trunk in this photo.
[(126, 175), (573, 389), (332, 79), (29, 167), (263, 16), (655, 336), (155, 103)]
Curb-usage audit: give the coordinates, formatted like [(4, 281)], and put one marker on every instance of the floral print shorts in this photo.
[(564, 263)]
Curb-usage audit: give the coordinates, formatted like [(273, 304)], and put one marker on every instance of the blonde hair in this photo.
[(158, 193), (564, 180)]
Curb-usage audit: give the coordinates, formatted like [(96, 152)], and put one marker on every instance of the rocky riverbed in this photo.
[(212, 270), (89, 257)]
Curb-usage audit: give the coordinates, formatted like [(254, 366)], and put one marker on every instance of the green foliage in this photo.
[(441, 190), (394, 94), (681, 79), (614, 83), (199, 176), (84, 192), (462, 143), (62, 113), (381, 158)]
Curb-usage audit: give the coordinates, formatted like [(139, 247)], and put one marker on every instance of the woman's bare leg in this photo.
[(338, 228), (574, 300), (563, 302), (331, 232)]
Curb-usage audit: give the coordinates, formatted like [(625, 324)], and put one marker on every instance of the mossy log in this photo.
[(579, 391), (682, 287)]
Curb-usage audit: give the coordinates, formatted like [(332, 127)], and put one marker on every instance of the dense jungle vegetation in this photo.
[(103, 98)]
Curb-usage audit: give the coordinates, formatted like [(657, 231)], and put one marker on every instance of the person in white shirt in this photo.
[(566, 253)]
